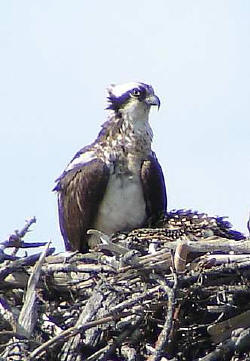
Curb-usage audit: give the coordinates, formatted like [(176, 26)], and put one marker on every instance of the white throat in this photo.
[(136, 117)]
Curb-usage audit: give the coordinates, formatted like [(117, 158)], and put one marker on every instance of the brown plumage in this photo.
[(116, 183)]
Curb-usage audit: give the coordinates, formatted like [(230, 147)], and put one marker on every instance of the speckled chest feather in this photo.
[(123, 206)]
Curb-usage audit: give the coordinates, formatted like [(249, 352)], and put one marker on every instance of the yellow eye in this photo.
[(136, 92)]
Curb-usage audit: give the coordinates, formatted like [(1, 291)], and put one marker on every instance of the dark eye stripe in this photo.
[(117, 102), (136, 92), (142, 95)]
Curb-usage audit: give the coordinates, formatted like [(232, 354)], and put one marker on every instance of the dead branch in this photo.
[(140, 296)]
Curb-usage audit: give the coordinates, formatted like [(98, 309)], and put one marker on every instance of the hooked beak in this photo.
[(153, 100)]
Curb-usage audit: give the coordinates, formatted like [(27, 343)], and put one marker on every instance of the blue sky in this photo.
[(57, 58)]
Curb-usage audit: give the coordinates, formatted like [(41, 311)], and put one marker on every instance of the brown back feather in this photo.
[(153, 188), (80, 194)]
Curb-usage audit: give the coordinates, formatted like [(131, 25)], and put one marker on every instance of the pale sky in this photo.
[(57, 58)]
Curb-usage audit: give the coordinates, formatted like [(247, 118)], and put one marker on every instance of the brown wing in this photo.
[(153, 188), (80, 192)]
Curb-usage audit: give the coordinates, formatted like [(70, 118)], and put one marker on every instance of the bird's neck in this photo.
[(129, 133), (137, 132)]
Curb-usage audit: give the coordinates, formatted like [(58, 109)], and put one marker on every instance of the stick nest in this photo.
[(176, 292)]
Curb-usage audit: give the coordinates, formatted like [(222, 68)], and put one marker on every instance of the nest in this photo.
[(176, 292)]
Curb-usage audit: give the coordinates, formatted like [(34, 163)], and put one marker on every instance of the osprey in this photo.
[(115, 183)]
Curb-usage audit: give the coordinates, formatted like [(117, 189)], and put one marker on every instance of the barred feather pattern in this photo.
[(200, 224), (179, 223)]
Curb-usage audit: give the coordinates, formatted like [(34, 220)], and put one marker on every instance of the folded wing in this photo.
[(80, 192), (153, 188)]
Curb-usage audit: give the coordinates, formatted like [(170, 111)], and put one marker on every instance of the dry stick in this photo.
[(25, 229), (222, 330), (76, 329), (98, 353), (162, 340), (142, 261), (51, 268), (27, 318), (15, 238), (12, 334), (7, 314), (157, 258), (180, 257), (161, 260), (225, 350), (72, 331), (134, 300), (125, 334), (218, 272), (212, 244), (88, 312), (205, 245), (14, 241), (21, 263)]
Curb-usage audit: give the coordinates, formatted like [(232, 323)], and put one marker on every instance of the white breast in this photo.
[(123, 206)]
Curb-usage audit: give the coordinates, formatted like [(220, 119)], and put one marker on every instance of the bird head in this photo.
[(132, 97)]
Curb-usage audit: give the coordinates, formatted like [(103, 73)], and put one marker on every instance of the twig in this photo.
[(88, 268), (87, 314), (212, 245), (15, 238), (180, 257), (20, 263), (27, 318), (119, 340), (222, 330), (73, 331), (163, 340), (215, 275)]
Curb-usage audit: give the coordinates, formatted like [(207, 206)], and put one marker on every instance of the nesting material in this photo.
[(176, 292)]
